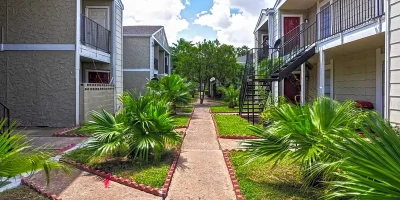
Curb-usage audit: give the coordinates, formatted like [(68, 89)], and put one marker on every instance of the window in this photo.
[(325, 21), (98, 77)]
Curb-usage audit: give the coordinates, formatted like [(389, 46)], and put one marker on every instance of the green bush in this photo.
[(231, 95)]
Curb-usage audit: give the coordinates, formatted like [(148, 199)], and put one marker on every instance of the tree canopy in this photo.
[(201, 61)]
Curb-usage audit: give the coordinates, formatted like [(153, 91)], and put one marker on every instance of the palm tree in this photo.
[(302, 133), (231, 95), (369, 167), (17, 156), (141, 130), (173, 88)]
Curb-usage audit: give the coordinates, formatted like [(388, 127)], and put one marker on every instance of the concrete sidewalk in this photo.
[(201, 172)]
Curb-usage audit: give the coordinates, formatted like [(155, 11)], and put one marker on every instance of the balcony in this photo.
[(94, 35), (346, 15), (166, 69)]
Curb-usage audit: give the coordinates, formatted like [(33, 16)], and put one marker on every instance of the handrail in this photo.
[(95, 35), (290, 34), (343, 15)]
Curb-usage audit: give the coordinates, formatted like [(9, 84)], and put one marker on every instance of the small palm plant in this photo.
[(369, 167), (231, 95), (173, 88), (17, 156), (142, 130), (302, 132)]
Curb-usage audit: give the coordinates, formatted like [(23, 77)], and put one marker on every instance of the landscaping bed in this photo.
[(148, 174), (187, 109), (182, 120), (258, 180), (21, 193), (232, 127)]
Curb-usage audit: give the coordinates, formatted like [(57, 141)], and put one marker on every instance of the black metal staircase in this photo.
[(276, 64)]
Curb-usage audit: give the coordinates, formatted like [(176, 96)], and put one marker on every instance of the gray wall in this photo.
[(394, 61), (161, 60), (95, 97), (38, 22), (136, 53), (118, 52), (39, 87), (136, 81)]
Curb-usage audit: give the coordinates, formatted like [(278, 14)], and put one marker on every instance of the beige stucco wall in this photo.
[(39, 87), (136, 81), (40, 22), (136, 53), (394, 62), (95, 97)]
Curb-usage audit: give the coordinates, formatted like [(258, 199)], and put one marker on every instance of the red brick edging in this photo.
[(235, 183), (66, 148), (64, 133), (39, 189), (145, 188), (230, 136)]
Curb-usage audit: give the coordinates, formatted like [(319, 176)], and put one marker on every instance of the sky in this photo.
[(230, 21)]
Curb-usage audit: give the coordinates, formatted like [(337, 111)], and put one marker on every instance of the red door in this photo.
[(291, 29)]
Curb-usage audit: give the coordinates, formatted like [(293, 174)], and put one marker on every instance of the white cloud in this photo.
[(201, 13), (197, 38), (235, 29), (157, 12)]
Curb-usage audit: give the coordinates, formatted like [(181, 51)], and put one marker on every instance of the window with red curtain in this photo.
[(99, 77)]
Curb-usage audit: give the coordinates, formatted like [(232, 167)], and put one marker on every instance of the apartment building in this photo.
[(343, 49), (146, 56), (60, 59)]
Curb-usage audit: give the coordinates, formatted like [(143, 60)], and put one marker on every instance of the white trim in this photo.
[(379, 81), (330, 67), (157, 31), (151, 57), (261, 24), (282, 25), (321, 72), (77, 61), (136, 70), (386, 105), (159, 44), (89, 52), (137, 35), (113, 55), (38, 47), (319, 5), (94, 70), (108, 13)]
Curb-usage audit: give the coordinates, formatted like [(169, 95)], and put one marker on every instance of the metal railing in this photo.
[(95, 35), (343, 15), (5, 111), (156, 64)]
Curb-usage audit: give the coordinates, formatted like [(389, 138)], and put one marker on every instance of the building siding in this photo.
[(39, 87), (135, 82), (38, 22), (394, 61), (162, 38), (355, 76), (136, 53)]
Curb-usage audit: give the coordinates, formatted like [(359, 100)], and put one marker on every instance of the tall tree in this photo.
[(241, 51)]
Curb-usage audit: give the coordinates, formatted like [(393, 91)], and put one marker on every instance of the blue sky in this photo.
[(230, 21)]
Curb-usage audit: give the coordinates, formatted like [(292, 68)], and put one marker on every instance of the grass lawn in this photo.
[(181, 120), (185, 109), (148, 174), (258, 181), (21, 193), (224, 109), (232, 125)]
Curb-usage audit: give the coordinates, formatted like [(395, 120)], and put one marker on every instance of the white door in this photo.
[(99, 15)]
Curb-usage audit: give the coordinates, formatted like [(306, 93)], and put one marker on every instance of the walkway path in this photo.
[(201, 172)]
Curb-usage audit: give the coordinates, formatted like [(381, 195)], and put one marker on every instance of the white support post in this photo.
[(303, 84), (321, 82)]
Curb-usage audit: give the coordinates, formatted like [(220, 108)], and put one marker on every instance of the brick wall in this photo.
[(95, 97)]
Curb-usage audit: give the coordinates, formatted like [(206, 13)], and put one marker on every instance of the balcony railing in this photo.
[(95, 35), (156, 64), (343, 15)]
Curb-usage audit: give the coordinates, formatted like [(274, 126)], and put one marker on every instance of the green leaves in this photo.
[(141, 130), (231, 95), (18, 157)]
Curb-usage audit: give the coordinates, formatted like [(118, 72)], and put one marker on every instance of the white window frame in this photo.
[(330, 67), (380, 59), (319, 5), (108, 13), (94, 70)]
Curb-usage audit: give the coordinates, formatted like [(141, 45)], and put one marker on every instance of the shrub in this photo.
[(231, 95)]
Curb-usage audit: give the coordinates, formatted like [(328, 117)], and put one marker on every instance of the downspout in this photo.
[(77, 61), (386, 105)]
